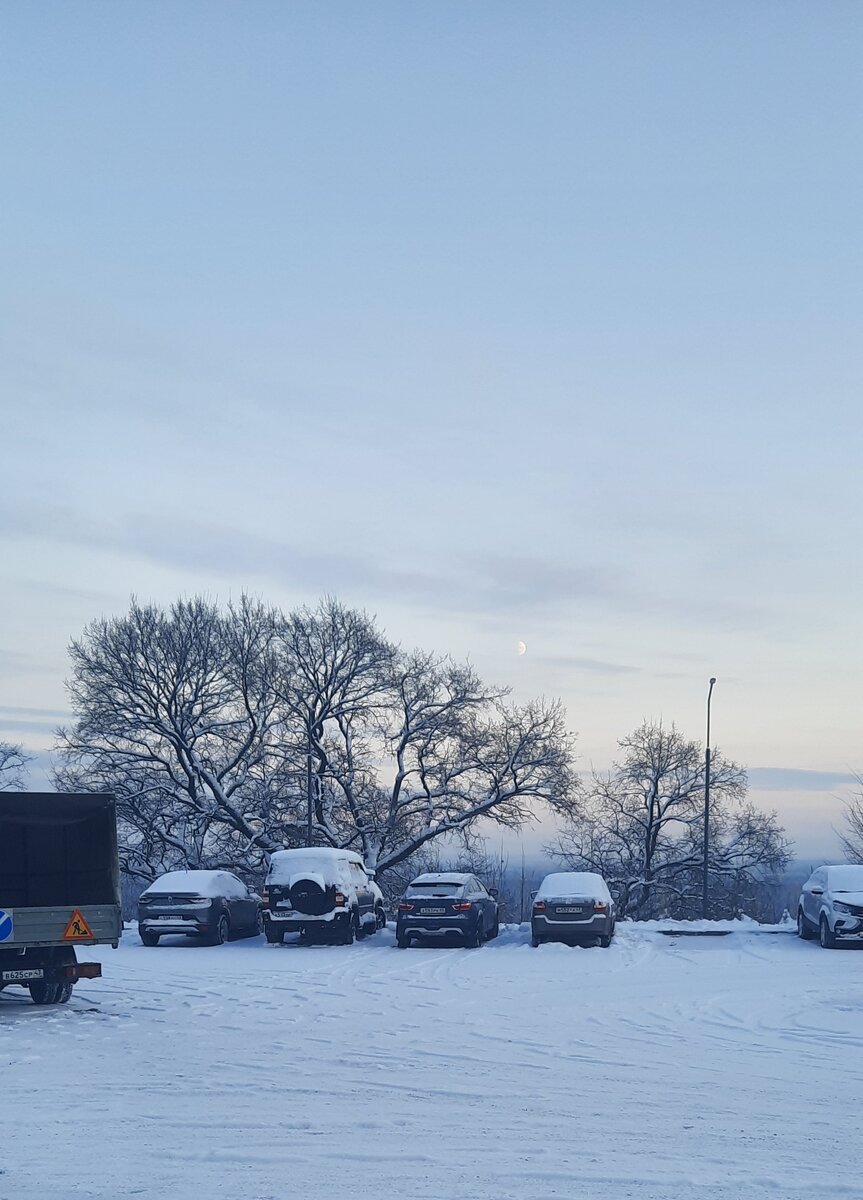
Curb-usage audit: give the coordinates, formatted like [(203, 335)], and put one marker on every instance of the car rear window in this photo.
[(435, 889)]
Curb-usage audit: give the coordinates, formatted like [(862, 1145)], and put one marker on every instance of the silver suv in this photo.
[(831, 905), (573, 906)]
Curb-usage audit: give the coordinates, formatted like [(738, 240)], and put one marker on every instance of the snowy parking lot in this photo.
[(660, 1068)]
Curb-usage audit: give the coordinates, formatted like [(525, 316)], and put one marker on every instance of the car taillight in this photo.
[(405, 907), (341, 900), (464, 906), (539, 906), (599, 906), (265, 896)]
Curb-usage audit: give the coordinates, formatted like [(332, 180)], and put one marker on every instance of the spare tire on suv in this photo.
[(321, 893)]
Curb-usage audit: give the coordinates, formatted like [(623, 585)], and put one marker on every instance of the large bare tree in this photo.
[(177, 714), (642, 827), (410, 747), (223, 732)]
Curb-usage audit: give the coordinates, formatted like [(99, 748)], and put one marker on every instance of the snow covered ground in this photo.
[(663, 1068)]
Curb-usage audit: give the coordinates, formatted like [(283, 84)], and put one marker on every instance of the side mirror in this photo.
[(534, 894), (493, 892)]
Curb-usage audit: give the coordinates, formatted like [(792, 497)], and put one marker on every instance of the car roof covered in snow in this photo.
[(457, 878), (574, 883), (321, 854), (199, 883)]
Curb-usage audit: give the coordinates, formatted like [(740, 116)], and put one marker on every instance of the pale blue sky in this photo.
[(505, 321)]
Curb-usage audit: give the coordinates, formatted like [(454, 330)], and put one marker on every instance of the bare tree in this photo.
[(13, 767), (642, 827), (408, 747), (852, 838), (177, 714)]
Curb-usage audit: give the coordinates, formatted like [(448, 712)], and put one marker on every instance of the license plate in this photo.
[(14, 976), (432, 912), (571, 911)]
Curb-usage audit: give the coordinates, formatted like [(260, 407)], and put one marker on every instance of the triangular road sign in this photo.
[(78, 929)]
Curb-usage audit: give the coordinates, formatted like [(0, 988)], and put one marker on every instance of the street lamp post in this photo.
[(309, 803), (706, 806)]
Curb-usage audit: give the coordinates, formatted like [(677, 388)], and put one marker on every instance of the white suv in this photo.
[(831, 905), (322, 893)]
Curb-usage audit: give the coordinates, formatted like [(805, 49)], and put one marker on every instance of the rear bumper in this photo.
[(436, 926), (294, 922), (24, 975), (597, 926), (189, 925)]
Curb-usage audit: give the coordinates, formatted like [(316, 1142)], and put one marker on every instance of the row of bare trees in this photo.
[(228, 733), (215, 728)]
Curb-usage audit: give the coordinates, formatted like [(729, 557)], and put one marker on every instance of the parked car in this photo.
[(215, 905), (831, 905), (321, 893), (443, 903), (573, 906)]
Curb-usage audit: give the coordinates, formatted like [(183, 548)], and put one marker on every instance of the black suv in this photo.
[(444, 903)]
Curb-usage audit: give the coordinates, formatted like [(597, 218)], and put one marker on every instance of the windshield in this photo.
[(435, 889), (846, 879)]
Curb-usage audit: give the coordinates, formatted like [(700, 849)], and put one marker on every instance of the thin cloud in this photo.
[(789, 779)]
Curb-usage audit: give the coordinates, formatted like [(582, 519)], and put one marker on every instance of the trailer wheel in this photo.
[(65, 993), (45, 993)]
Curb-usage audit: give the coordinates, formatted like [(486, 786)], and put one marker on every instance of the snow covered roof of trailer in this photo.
[(574, 883)]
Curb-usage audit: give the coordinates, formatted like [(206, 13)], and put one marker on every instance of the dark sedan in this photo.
[(214, 905), (441, 904)]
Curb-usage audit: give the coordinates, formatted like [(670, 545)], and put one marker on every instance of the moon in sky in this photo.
[(522, 648)]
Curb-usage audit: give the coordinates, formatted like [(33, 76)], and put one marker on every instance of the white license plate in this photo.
[(432, 912), (571, 911), (15, 976)]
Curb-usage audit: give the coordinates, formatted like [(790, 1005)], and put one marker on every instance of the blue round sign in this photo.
[(7, 927)]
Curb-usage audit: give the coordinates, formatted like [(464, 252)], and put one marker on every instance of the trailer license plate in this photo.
[(17, 976)]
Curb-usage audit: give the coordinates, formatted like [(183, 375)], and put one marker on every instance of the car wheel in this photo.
[(149, 939), (534, 940), (826, 938), (803, 930), (259, 924), (402, 941), (220, 934), (476, 939), (274, 936), (380, 918), (605, 941), (349, 932), (495, 929), (65, 993)]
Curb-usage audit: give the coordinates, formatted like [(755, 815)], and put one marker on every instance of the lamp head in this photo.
[(712, 681)]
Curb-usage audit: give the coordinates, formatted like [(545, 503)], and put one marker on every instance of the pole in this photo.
[(309, 781), (704, 875)]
